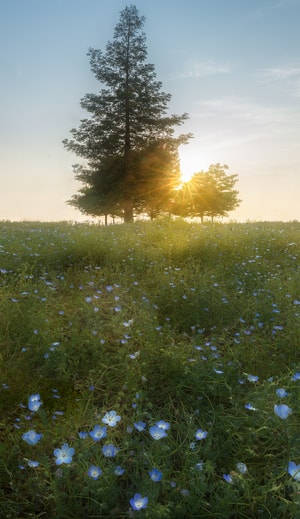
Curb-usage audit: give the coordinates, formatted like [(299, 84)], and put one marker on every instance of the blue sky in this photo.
[(233, 65)]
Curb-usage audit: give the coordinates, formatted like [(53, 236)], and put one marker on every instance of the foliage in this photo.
[(208, 193), (128, 142), (152, 367)]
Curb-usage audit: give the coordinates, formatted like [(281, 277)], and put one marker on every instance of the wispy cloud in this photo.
[(195, 69), (280, 73), (287, 78), (240, 108)]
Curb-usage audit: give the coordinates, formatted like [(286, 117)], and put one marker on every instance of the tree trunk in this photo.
[(128, 211)]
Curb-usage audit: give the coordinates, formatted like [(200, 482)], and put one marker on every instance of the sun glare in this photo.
[(191, 163), (186, 176)]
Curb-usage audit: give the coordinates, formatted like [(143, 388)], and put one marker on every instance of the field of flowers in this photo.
[(150, 370)]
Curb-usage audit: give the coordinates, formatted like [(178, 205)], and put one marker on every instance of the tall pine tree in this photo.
[(128, 143)]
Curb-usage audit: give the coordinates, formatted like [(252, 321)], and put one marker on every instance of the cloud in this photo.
[(240, 108), (195, 69), (286, 77), (280, 73)]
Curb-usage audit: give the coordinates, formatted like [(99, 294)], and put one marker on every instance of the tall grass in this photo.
[(196, 326)]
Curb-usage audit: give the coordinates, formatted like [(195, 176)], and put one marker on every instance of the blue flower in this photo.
[(31, 437), (200, 434), (32, 463), (282, 411), (184, 492), (109, 451), (252, 378), (163, 425), (281, 393), (296, 376), (133, 356), (227, 478), (155, 474), (34, 402), (294, 470), (119, 471), (63, 455), (242, 468), (82, 435), (98, 433), (94, 472), (140, 426), (157, 432), (138, 502), (250, 407), (111, 418)]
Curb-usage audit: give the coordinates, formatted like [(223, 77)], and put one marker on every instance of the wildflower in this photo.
[(294, 470), (34, 402), (184, 492), (157, 432), (32, 463), (281, 393), (109, 451), (98, 433), (31, 437), (199, 465), (119, 471), (94, 472), (296, 376), (140, 426), (200, 435), (155, 474), (282, 411), (138, 502), (64, 455), (250, 407), (252, 378), (242, 468), (82, 435), (111, 418), (128, 323), (134, 355), (227, 478), (163, 425)]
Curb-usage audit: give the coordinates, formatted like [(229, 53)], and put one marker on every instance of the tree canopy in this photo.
[(208, 193), (127, 143)]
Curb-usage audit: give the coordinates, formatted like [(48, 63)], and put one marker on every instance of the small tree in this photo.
[(128, 142), (209, 193)]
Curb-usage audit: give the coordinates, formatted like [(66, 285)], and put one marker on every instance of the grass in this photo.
[(168, 321)]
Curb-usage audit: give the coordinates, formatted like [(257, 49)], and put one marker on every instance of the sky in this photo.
[(232, 65)]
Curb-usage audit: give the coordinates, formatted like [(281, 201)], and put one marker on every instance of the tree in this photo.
[(209, 193), (128, 141)]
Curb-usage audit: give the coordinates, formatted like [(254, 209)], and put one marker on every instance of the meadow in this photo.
[(150, 370)]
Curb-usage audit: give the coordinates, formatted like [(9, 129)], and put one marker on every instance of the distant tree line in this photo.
[(130, 153)]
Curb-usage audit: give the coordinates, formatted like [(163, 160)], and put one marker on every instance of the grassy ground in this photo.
[(193, 327)]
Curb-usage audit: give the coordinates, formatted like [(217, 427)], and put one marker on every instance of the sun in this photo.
[(191, 163), (186, 176)]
